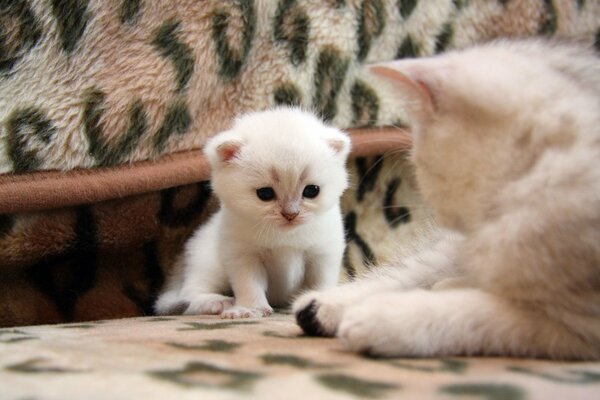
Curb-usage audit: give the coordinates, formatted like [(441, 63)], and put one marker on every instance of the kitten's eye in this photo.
[(265, 193), (310, 191)]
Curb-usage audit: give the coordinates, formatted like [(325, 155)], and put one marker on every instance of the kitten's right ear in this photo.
[(223, 148), (228, 150)]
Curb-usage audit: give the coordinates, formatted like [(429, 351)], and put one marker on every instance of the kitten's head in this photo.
[(280, 167), (481, 118)]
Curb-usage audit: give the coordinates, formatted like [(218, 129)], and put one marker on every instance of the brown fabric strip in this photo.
[(54, 189)]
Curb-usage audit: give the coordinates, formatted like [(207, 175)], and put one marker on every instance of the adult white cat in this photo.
[(507, 151), (279, 175)]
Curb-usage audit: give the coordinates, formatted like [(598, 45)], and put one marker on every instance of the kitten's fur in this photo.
[(507, 151), (249, 246)]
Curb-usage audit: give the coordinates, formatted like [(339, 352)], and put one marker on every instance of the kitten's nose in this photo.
[(289, 215)]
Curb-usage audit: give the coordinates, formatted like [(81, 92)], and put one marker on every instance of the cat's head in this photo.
[(481, 118), (280, 167)]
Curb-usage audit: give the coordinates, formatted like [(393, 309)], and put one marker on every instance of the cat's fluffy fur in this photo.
[(249, 247), (507, 151)]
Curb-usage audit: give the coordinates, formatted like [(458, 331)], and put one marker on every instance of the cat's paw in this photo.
[(169, 303), (245, 312), (410, 324), (375, 328), (318, 313), (211, 304)]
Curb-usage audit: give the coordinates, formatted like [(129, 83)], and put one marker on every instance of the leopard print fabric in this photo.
[(195, 358), (91, 83), (110, 259)]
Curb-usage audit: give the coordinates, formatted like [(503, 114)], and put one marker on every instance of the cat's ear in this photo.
[(339, 143), (223, 148), (415, 80), (228, 150)]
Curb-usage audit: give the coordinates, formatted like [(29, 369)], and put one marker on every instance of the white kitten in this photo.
[(507, 151), (279, 175)]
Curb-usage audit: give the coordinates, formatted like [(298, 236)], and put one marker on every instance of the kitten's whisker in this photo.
[(376, 123), (414, 206), (368, 171), (393, 140), (392, 169), (398, 152), (399, 218)]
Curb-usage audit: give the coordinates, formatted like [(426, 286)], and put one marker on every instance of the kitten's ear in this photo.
[(223, 148), (339, 143), (228, 150), (414, 79)]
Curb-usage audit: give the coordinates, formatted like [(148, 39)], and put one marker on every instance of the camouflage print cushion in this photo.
[(197, 358)]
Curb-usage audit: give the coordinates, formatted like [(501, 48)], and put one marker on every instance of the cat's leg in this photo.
[(201, 292), (319, 313), (199, 282), (207, 304), (456, 322), (169, 303), (322, 266), (322, 270), (204, 288), (248, 279), (193, 300)]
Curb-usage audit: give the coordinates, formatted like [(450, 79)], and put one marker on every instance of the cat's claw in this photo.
[(244, 312)]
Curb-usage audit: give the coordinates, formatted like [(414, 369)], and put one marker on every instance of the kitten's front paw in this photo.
[(212, 304), (244, 312), (169, 303), (318, 314)]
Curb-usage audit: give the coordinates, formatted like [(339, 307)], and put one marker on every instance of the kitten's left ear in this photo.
[(339, 142)]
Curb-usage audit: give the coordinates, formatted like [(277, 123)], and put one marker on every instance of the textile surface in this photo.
[(109, 259), (92, 83), (193, 357)]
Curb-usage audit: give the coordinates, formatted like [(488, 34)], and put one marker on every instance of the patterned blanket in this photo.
[(195, 358)]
